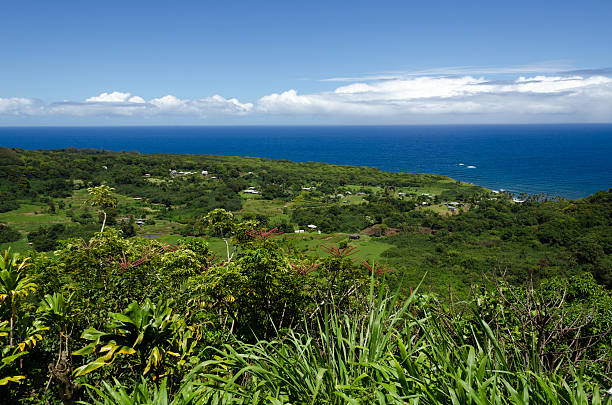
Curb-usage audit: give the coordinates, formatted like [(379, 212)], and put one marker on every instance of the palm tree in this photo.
[(56, 312), (14, 285)]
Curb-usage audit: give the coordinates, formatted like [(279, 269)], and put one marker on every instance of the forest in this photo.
[(197, 279)]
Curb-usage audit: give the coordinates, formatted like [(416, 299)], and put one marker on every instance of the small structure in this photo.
[(139, 221), (299, 231), (354, 236), (250, 191), (147, 175), (180, 173), (402, 194), (204, 172), (312, 227), (306, 188)]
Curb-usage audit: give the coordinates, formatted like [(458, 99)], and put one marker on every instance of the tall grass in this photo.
[(387, 355)]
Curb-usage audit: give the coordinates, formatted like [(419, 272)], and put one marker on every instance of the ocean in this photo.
[(572, 161)]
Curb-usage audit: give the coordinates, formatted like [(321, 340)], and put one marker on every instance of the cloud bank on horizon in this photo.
[(572, 97)]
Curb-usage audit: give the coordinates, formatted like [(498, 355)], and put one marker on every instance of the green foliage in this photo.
[(279, 318), (16, 335), (148, 331), (145, 393), (8, 234), (102, 198), (391, 354)]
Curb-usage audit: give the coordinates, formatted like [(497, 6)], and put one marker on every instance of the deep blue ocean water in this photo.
[(567, 160)]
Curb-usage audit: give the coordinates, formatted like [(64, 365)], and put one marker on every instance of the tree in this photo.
[(8, 234), (102, 198), (56, 313), (221, 223)]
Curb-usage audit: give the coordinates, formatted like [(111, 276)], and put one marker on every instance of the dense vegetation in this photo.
[(450, 294)]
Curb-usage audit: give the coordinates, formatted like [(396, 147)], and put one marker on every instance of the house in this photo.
[(312, 227), (299, 231), (401, 194), (306, 188), (452, 208), (204, 172), (354, 236), (139, 221), (250, 191), (147, 175)]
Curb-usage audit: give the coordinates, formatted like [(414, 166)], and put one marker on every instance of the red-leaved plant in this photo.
[(124, 263), (347, 251), (376, 268), (304, 268), (263, 234)]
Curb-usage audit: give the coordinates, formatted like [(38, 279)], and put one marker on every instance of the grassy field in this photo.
[(257, 205), (30, 216)]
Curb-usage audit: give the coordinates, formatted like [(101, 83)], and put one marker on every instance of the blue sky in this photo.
[(198, 62)]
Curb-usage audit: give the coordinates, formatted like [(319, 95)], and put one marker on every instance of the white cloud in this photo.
[(214, 105), (124, 104), (19, 106), (115, 97), (576, 97), (428, 99), (543, 67)]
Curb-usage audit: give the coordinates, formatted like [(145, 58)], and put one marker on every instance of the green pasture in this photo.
[(257, 205)]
